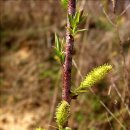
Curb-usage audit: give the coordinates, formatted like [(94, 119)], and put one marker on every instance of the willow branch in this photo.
[(67, 66)]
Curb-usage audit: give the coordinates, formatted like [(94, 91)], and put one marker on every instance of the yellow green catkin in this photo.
[(62, 113), (94, 76)]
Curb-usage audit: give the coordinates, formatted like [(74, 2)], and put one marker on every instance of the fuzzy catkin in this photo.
[(95, 76), (62, 113)]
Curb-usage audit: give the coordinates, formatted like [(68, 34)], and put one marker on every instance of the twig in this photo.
[(68, 59), (109, 121), (110, 21), (124, 10), (79, 72)]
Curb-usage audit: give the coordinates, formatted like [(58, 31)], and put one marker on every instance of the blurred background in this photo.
[(31, 79)]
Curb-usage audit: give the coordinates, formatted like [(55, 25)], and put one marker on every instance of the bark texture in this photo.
[(67, 66)]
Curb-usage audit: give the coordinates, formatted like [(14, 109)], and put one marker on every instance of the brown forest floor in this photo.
[(30, 78)]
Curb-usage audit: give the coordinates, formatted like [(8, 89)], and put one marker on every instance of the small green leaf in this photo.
[(62, 58), (57, 52), (77, 17), (59, 56), (82, 91), (59, 46), (57, 42), (62, 43), (75, 21), (71, 20), (81, 30)]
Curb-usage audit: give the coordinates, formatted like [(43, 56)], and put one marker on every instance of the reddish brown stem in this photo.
[(67, 66)]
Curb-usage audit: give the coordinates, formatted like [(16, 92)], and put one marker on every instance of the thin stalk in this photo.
[(67, 66)]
